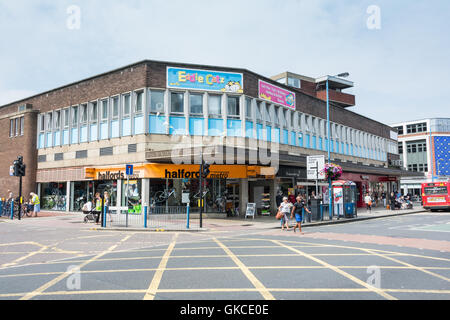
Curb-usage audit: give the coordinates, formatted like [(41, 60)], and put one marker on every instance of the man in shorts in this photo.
[(36, 203), (298, 210)]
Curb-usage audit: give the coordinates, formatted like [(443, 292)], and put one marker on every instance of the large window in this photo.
[(74, 116), (416, 128), (233, 106), (126, 105), (94, 112), (104, 104), (115, 107), (83, 114), (248, 108), (196, 103), (177, 102), (157, 101), (49, 125), (57, 120), (293, 82), (139, 102), (400, 130), (258, 111), (22, 125), (66, 118), (215, 105)]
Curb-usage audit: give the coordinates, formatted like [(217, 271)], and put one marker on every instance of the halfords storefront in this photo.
[(225, 189)]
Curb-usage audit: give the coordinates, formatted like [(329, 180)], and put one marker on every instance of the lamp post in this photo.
[(330, 189)]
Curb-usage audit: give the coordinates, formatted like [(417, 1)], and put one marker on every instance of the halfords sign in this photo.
[(171, 171), (207, 80)]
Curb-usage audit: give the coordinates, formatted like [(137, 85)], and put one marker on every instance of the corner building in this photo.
[(161, 116)]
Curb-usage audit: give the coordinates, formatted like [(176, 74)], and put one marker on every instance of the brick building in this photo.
[(76, 139)]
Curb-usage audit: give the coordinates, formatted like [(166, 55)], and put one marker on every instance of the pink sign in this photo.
[(276, 94)]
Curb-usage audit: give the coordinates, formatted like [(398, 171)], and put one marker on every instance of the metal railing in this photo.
[(176, 218)]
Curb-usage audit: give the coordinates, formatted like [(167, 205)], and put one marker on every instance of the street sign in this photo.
[(129, 170), (185, 198), (315, 164), (11, 171)]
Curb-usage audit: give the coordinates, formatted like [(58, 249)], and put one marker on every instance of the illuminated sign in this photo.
[(194, 79)]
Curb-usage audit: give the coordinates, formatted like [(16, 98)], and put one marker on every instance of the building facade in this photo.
[(424, 146), (164, 117)]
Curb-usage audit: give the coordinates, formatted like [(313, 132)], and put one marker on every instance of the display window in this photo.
[(53, 196), (132, 192)]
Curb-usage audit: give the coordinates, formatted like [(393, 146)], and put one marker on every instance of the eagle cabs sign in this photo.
[(172, 171)]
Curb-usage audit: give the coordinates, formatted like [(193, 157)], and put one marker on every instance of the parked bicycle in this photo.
[(162, 196)]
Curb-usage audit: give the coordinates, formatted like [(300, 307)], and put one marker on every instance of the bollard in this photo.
[(338, 213), (321, 212), (1, 207), (12, 209), (145, 217), (188, 209), (104, 217), (303, 215)]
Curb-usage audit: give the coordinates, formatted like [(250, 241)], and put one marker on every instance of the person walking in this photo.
[(36, 204), (98, 206), (383, 197), (368, 201), (285, 209), (107, 205), (298, 210)]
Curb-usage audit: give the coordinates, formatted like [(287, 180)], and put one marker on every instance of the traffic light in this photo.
[(22, 168), (206, 170), (16, 168)]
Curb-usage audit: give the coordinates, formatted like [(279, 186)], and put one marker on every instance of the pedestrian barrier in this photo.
[(150, 217)]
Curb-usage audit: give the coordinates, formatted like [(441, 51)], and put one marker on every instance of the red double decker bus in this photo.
[(436, 195)]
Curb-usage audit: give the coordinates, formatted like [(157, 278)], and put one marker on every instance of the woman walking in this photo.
[(298, 210), (285, 209)]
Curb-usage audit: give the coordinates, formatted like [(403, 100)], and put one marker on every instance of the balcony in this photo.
[(343, 99)]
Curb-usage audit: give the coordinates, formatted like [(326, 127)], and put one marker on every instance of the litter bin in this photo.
[(349, 210), (315, 209)]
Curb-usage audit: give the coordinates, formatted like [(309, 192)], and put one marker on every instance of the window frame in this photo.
[(177, 93), (115, 99), (238, 106), (126, 115), (218, 96), (152, 104), (137, 94)]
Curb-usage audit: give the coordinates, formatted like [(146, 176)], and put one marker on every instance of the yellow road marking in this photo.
[(151, 291), (341, 272), (44, 287), (24, 257), (409, 265), (250, 276)]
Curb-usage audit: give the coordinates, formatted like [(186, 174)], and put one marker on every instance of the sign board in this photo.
[(208, 80), (251, 209), (11, 171), (315, 164), (129, 170), (185, 198), (275, 94)]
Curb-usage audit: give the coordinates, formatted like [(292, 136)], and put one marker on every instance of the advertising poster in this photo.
[(181, 78), (276, 94)]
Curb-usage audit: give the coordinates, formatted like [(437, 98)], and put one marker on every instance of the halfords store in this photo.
[(158, 116)]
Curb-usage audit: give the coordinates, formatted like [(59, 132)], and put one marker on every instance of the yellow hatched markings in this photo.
[(250, 276), (218, 290), (44, 287), (336, 269), (153, 288), (409, 265)]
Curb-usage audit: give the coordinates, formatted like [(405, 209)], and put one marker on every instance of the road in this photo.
[(405, 257)]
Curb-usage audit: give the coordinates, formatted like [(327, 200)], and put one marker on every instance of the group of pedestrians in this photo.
[(287, 210), (396, 200), (32, 205)]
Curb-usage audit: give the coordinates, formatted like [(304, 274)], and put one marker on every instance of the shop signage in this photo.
[(172, 171), (195, 79), (276, 94), (365, 177), (387, 179), (299, 173)]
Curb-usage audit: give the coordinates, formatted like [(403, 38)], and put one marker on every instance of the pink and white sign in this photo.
[(276, 94)]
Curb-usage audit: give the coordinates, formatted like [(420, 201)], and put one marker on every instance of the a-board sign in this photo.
[(251, 209)]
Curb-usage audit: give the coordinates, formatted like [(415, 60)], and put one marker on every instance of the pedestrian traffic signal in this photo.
[(19, 167), (16, 168), (206, 170), (22, 168)]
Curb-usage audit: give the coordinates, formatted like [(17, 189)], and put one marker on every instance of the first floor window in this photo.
[(215, 105), (157, 101), (177, 102), (233, 106), (196, 103)]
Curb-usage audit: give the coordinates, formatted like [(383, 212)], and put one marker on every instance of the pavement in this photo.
[(390, 258)]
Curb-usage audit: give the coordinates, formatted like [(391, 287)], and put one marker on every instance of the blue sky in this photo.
[(401, 71)]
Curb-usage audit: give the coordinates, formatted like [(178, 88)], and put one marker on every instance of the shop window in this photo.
[(157, 101), (215, 105), (53, 196), (177, 102), (132, 191), (196, 104), (233, 106)]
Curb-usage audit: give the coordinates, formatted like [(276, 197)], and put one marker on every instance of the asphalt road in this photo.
[(405, 257)]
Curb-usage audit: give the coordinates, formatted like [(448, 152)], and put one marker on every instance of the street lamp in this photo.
[(341, 75)]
